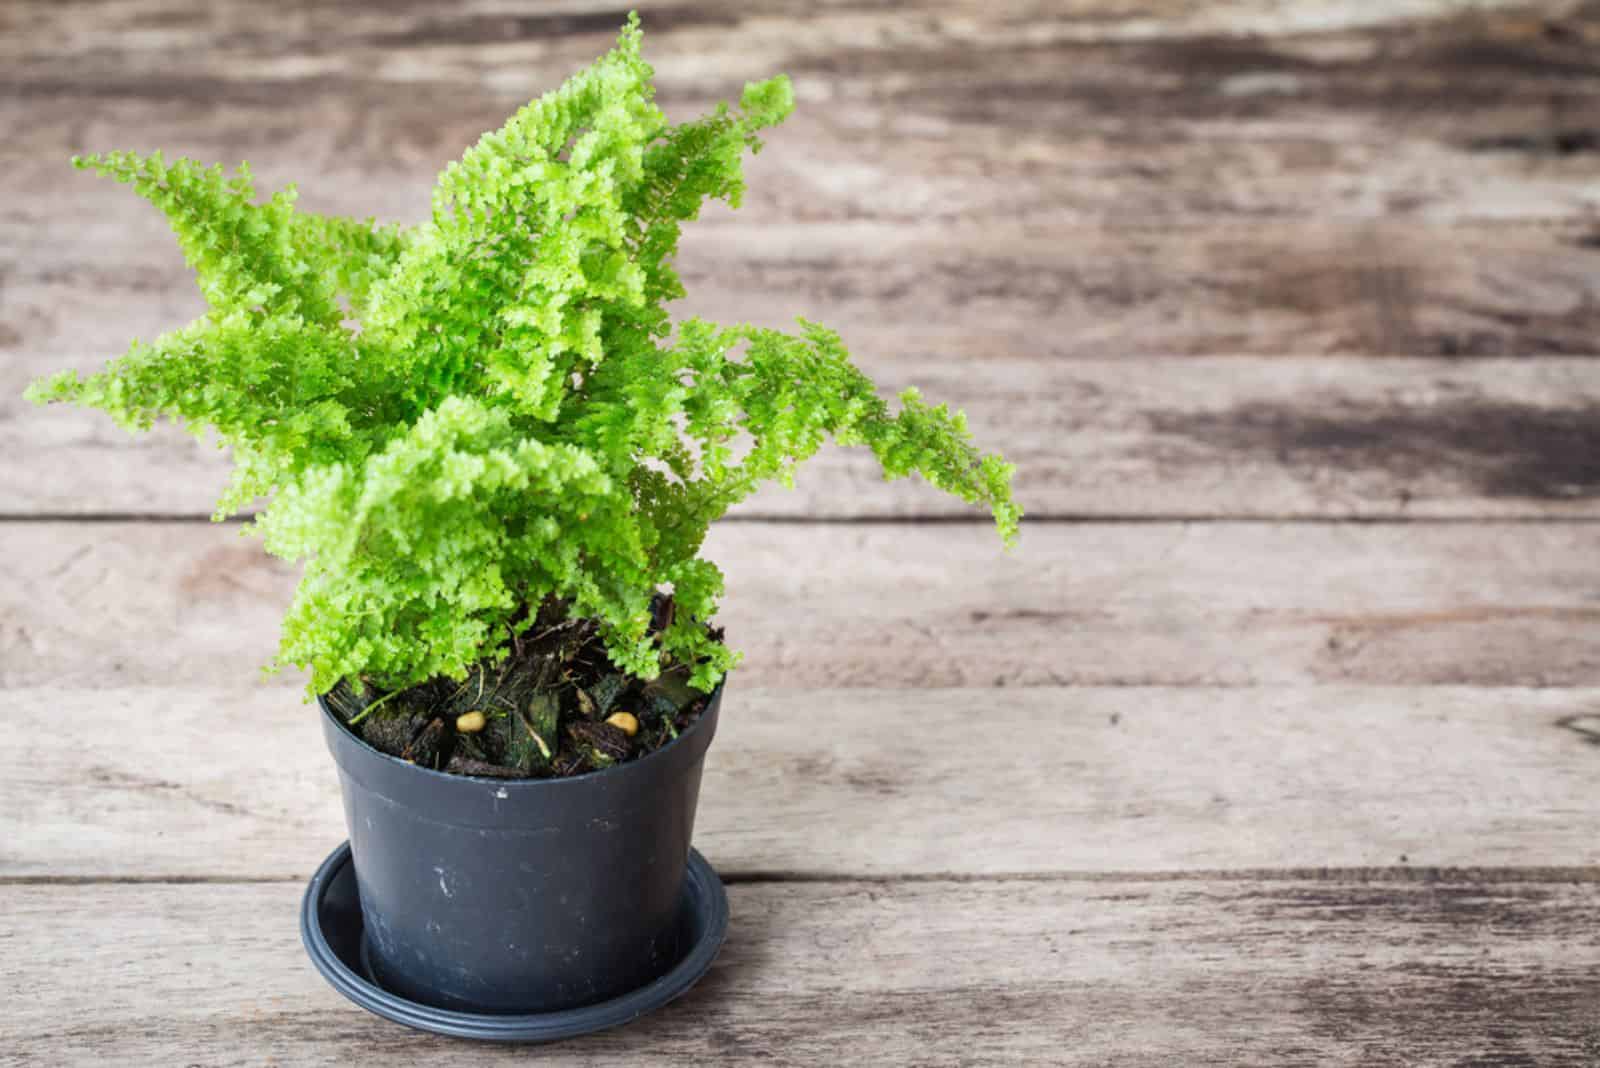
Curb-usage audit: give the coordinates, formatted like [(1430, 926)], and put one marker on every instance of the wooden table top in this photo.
[(1277, 741)]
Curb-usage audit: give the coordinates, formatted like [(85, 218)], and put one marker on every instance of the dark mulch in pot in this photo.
[(555, 705)]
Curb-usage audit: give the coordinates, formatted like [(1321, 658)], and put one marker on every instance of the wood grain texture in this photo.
[(942, 109), (884, 605), (1077, 973), (973, 195), (954, 298), (234, 783), (1213, 793), (930, 150), (1238, 436)]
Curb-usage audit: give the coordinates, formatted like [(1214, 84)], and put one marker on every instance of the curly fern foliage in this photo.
[(458, 421)]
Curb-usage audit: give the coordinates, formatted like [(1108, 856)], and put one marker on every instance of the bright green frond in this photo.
[(355, 253), (491, 412), (244, 253)]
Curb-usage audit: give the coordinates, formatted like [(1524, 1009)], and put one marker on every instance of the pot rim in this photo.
[(713, 699)]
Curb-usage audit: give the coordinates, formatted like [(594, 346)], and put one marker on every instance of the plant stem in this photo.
[(365, 712)]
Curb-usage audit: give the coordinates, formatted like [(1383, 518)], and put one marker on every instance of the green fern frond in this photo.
[(462, 419), (356, 254), (243, 253)]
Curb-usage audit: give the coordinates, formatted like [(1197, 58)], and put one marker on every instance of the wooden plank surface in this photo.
[(1194, 972), (1236, 436), (235, 783), (1082, 183), (108, 605), (1095, 96), (960, 296), (843, 24), (1215, 792), (949, 109)]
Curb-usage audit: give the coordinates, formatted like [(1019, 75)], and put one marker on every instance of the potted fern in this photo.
[(498, 457)]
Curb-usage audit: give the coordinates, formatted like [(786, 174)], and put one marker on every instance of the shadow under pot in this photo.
[(520, 895)]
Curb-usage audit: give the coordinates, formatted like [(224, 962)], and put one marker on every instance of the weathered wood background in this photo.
[(1278, 741)]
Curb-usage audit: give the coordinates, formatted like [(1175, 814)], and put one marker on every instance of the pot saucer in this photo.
[(331, 928)]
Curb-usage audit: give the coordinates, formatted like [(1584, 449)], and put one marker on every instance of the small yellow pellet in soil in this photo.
[(625, 722), (470, 722)]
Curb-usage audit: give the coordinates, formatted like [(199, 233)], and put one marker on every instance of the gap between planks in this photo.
[(930, 519), (1403, 874)]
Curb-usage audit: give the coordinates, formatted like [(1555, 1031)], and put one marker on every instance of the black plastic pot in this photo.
[(520, 896)]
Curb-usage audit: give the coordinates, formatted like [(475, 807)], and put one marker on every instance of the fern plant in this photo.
[(493, 410)]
